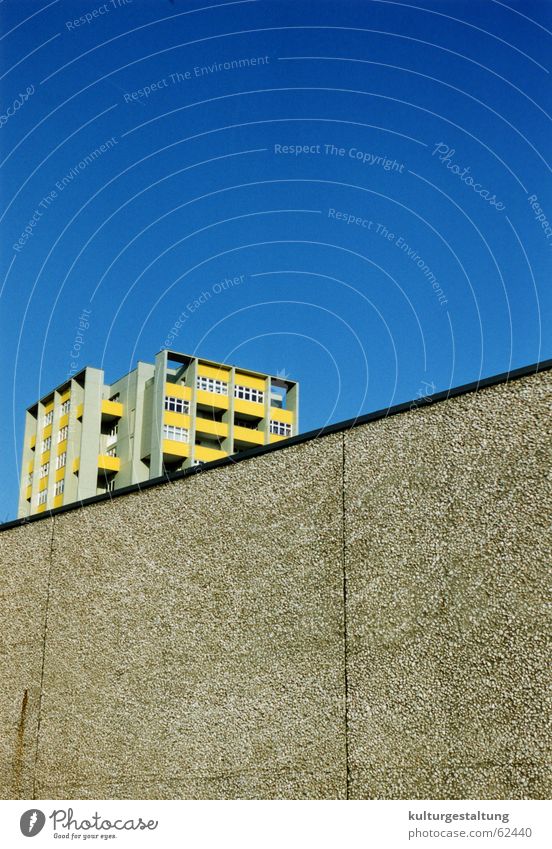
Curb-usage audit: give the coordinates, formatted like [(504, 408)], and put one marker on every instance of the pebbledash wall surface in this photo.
[(358, 615)]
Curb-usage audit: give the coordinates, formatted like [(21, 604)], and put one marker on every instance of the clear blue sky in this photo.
[(199, 180)]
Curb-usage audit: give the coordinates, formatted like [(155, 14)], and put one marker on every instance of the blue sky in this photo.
[(374, 174)]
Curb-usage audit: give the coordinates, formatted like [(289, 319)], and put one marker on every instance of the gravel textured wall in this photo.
[(356, 616), (448, 569), (195, 638), (25, 560)]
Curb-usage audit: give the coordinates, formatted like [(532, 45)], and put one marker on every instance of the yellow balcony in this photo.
[(109, 464), (175, 390), (274, 437), (245, 434), (48, 408), (201, 452), (279, 415), (41, 508), (111, 410), (219, 373), (42, 484), (60, 474), (62, 446), (177, 419), (28, 492), (47, 431), (32, 441), (76, 464), (65, 397), (174, 449), (58, 500), (250, 408), (79, 411), (64, 421), (44, 457), (210, 427), (212, 399), (30, 467), (250, 381)]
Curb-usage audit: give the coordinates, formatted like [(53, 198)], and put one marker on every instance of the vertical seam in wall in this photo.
[(44, 636), (345, 635)]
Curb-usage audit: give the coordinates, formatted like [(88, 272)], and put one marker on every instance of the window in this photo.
[(61, 460), (115, 397), (65, 407), (62, 434), (30, 479), (59, 487), (280, 428), (110, 485), (46, 444), (48, 418), (112, 452), (245, 393), (44, 469), (176, 405), (178, 434), (112, 435), (208, 384), (42, 497)]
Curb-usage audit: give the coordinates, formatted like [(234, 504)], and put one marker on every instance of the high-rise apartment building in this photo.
[(87, 437)]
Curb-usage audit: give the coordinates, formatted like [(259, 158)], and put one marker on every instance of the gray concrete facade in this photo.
[(356, 616)]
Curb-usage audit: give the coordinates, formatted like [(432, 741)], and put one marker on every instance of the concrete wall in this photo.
[(356, 616)]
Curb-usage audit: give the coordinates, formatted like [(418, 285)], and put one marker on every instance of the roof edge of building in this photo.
[(348, 424)]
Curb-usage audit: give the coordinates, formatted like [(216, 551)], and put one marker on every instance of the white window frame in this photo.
[(48, 418), (61, 460), (177, 405), (209, 384), (280, 428), (112, 451), (247, 393), (46, 444), (42, 497), (63, 433), (176, 434), (65, 407), (44, 470), (59, 487)]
